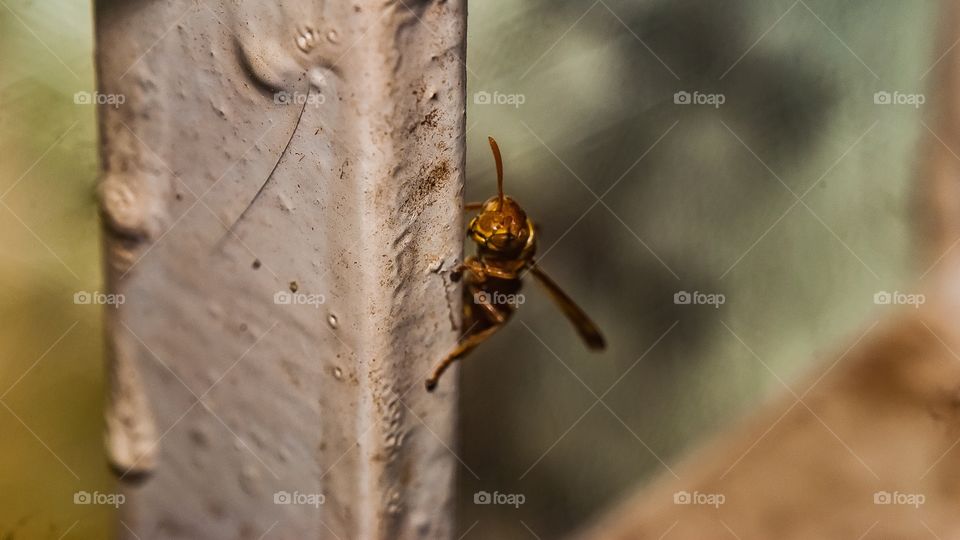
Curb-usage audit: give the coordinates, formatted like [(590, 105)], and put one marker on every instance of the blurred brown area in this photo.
[(861, 450)]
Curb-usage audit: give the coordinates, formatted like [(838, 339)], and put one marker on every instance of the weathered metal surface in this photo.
[(281, 203)]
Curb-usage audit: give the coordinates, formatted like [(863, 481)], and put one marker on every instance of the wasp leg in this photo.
[(492, 313), (494, 318), (480, 299), (463, 348), (470, 206), (471, 264)]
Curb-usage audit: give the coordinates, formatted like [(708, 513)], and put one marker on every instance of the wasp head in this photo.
[(501, 227)]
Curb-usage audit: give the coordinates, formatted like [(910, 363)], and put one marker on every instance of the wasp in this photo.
[(506, 243)]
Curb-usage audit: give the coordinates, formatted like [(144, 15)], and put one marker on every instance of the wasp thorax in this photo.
[(501, 226)]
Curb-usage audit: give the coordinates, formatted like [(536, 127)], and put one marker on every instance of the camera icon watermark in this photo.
[(508, 499), (897, 298), (109, 499), (898, 98), (284, 97), (707, 499), (697, 298), (683, 97), (96, 98), (906, 499), (286, 298), (98, 298), (484, 97), (297, 498)]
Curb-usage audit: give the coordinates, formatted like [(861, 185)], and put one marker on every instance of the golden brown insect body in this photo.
[(506, 242)]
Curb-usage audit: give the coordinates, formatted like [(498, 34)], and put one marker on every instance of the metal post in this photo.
[(281, 205)]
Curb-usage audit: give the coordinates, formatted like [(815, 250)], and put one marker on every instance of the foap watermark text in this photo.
[(699, 98), (109, 499), (286, 298), (299, 98), (898, 98), (509, 499), (98, 298), (498, 98), (697, 298), (897, 298), (499, 298), (96, 98), (706, 499), (896, 497), (297, 498)]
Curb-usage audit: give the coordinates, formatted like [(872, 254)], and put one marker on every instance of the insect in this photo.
[(506, 242)]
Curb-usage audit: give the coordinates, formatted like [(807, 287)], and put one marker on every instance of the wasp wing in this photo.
[(585, 327)]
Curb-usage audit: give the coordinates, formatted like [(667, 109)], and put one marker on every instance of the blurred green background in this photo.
[(708, 208), (51, 375)]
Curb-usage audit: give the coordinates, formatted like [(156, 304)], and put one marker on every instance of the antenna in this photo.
[(499, 160)]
